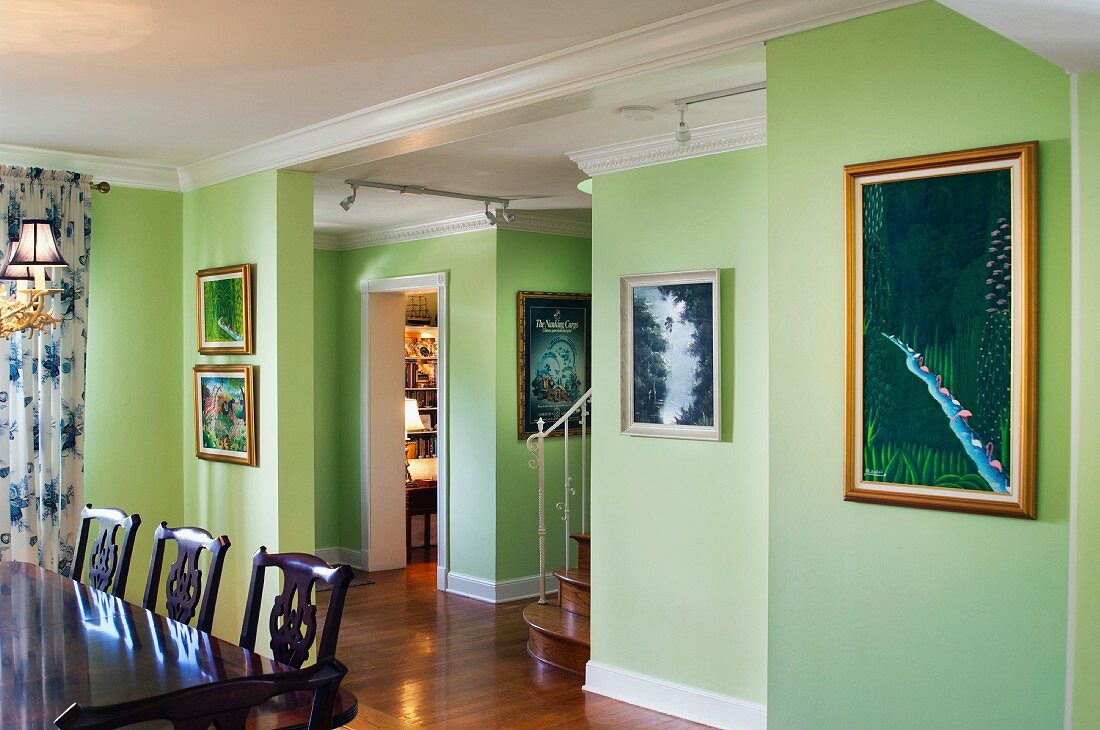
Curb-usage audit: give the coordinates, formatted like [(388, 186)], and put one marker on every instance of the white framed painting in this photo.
[(670, 375)]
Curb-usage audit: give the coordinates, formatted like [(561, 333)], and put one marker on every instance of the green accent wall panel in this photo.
[(680, 528), (883, 616), (329, 441), (132, 425), (1086, 700), (531, 262), (266, 220)]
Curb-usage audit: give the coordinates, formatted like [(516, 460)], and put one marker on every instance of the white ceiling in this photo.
[(529, 161), (1066, 32), (175, 82)]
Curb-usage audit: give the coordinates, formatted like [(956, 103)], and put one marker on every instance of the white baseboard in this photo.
[(690, 703), (354, 558), (498, 592)]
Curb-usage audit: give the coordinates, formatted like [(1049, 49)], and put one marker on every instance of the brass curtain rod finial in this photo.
[(102, 186)]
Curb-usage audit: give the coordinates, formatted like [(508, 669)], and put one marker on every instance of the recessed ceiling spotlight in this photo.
[(637, 113)]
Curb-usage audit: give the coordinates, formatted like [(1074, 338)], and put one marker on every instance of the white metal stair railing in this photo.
[(536, 444)]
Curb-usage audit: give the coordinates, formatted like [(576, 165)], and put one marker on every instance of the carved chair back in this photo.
[(184, 585), (293, 618), (109, 565), (226, 704)]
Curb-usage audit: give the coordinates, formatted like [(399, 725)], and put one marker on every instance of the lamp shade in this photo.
[(14, 272), (36, 245), (412, 416)]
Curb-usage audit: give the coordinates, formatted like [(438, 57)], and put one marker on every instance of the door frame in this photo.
[(437, 281)]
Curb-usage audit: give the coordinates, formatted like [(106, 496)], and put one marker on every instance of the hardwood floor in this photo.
[(420, 658)]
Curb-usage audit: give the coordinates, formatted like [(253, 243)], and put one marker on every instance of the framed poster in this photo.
[(670, 373), (225, 414), (942, 315), (554, 369), (224, 317)]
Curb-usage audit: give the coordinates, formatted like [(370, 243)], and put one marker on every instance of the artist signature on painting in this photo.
[(874, 473)]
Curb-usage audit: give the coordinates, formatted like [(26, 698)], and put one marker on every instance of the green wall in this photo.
[(1086, 705), (470, 260), (886, 616), (133, 423), (491, 500), (328, 436), (266, 220), (680, 528), (530, 262)]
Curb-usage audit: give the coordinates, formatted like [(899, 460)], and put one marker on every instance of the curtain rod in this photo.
[(102, 186)]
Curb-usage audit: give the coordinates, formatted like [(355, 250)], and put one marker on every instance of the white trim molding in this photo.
[(690, 703), (503, 591), (682, 39), (115, 170), (662, 148), (534, 221), (354, 558), (326, 241)]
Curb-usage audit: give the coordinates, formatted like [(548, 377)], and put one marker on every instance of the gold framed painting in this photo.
[(941, 330), (223, 297), (225, 414)]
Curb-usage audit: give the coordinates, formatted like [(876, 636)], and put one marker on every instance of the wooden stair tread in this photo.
[(574, 576), (560, 624)]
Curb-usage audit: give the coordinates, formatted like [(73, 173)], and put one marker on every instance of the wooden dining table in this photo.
[(63, 642)]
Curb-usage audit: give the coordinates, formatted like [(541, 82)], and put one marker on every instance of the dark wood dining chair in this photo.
[(293, 617), (110, 563), (183, 588), (225, 704)]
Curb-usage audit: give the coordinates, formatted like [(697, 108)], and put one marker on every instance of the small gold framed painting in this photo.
[(225, 414), (224, 317)]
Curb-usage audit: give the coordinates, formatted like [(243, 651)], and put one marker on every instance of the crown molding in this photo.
[(530, 221), (662, 148), (326, 241), (682, 39), (545, 221), (401, 234), (115, 170)]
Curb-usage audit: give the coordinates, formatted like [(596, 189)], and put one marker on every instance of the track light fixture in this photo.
[(494, 217), (683, 134), (347, 202)]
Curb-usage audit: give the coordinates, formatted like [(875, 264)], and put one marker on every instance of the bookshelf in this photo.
[(421, 361)]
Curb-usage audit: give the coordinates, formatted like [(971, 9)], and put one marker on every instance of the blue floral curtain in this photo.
[(42, 396)]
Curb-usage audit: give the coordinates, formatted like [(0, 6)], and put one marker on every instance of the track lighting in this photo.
[(491, 216), (347, 202), (683, 134)]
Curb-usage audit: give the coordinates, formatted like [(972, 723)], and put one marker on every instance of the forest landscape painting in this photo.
[(224, 414), (670, 358), (939, 415), (224, 310)]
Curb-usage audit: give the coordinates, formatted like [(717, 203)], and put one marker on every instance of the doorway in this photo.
[(404, 416)]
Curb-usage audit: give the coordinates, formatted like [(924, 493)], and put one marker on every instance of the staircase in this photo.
[(558, 634)]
